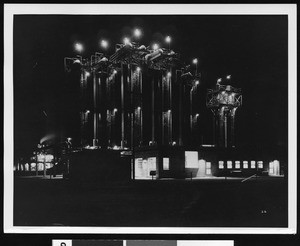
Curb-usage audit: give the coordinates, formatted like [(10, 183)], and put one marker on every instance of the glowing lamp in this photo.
[(126, 40), (137, 32), (79, 47), (168, 39), (155, 46), (104, 44)]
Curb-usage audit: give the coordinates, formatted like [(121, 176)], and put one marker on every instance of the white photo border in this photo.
[(144, 9)]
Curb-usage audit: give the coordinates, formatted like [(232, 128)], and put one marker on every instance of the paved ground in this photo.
[(207, 202)]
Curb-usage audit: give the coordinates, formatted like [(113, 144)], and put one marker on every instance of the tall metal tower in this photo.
[(223, 101)]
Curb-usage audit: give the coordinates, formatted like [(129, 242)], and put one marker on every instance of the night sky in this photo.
[(253, 49)]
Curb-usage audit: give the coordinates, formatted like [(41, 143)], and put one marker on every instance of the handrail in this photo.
[(252, 176)]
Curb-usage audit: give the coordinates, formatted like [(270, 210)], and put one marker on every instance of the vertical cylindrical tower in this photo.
[(224, 100)]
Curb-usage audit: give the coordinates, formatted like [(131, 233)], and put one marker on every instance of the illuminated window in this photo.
[(139, 162), (221, 164), (274, 168), (237, 164), (229, 164), (260, 164), (138, 167), (33, 166), (152, 163), (252, 164), (26, 167), (40, 166), (166, 163), (191, 159), (208, 168), (245, 164), (271, 167)]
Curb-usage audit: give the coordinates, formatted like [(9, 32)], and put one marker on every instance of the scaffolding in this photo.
[(223, 101)]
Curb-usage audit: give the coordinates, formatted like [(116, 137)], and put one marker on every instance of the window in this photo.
[(208, 168), (191, 159), (229, 164), (271, 167), (138, 167), (26, 167), (221, 164), (237, 164), (166, 163), (260, 164), (274, 168), (139, 162), (245, 164), (252, 164), (152, 163)]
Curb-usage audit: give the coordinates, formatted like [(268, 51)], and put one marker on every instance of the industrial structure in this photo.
[(223, 101), (138, 106), (127, 100)]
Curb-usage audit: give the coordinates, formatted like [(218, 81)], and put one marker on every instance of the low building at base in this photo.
[(155, 162)]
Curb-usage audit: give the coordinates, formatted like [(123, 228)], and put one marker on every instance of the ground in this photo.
[(259, 202)]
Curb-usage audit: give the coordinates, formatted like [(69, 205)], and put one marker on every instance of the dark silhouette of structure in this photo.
[(140, 103), (223, 101)]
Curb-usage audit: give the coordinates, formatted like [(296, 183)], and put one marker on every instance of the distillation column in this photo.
[(223, 102)]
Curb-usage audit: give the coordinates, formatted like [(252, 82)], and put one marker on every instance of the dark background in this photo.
[(253, 49), (23, 133)]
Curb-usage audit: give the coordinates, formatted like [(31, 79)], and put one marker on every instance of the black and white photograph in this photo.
[(150, 116)]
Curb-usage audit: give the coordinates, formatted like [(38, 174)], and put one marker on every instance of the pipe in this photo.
[(95, 139), (122, 109), (171, 130), (153, 110), (141, 111), (232, 126), (162, 110)]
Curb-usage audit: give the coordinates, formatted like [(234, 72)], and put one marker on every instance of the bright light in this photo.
[(138, 108), (197, 115), (115, 110), (88, 111), (195, 61), (228, 77), (115, 71), (219, 80), (69, 139), (197, 82), (138, 69), (126, 40), (169, 74), (155, 46), (104, 44), (77, 61), (87, 74), (79, 47), (169, 111), (137, 32), (168, 39)]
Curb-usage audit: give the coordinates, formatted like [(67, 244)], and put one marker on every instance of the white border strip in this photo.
[(206, 243), (292, 118), (144, 9), (150, 9)]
